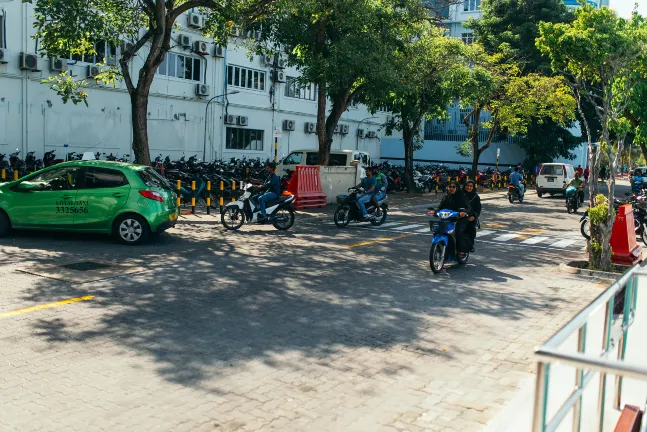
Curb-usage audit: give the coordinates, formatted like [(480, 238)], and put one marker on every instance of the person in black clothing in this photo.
[(456, 201), (474, 201)]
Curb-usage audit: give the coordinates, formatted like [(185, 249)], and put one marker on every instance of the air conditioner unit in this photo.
[(371, 134), (337, 129), (282, 63), (360, 133), (218, 51), (195, 21), (28, 61), (93, 71), (201, 47), (267, 59), (235, 31), (243, 121), (277, 76), (184, 41), (344, 129), (202, 90), (4, 56), (57, 64), (288, 125), (231, 119), (310, 127)]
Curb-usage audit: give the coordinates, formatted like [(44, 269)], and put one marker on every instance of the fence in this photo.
[(587, 364)]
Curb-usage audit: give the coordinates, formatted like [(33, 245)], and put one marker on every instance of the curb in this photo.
[(565, 268)]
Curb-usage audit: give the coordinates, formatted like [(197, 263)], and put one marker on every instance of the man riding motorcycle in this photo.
[(369, 184), (381, 186), (516, 179), (578, 184), (272, 189)]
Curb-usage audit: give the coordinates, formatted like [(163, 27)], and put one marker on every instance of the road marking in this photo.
[(493, 225), (45, 306), (484, 233), (424, 230), (506, 237), (366, 243), (535, 240), (406, 227), (385, 225), (563, 243)]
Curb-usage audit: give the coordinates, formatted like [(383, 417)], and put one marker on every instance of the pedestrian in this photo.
[(603, 173), (580, 170), (474, 201), (586, 174)]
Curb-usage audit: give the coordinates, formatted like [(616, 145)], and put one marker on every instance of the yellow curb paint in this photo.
[(45, 306), (380, 240)]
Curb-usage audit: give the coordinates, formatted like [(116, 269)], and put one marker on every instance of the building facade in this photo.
[(34, 118)]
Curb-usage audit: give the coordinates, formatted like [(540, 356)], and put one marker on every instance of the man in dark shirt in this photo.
[(272, 188)]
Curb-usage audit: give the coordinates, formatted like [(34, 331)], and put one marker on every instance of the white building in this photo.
[(34, 118)]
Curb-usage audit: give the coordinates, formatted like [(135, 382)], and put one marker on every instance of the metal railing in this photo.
[(589, 364)]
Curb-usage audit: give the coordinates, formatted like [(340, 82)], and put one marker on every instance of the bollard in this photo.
[(193, 197), (233, 189), (15, 175), (222, 192), (4, 174), (467, 178), (456, 179), (246, 173), (208, 200), (179, 194), (436, 188)]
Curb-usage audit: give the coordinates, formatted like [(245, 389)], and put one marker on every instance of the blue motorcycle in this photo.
[(443, 244)]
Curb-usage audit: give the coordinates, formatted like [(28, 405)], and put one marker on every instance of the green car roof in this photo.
[(102, 164)]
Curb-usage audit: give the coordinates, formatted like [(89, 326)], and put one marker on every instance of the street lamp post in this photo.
[(357, 134), (204, 148)]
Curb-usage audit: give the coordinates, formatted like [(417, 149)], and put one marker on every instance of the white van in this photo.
[(553, 178), (337, 158)]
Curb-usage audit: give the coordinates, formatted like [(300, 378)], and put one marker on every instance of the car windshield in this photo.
[(293, 159), (152, 179)]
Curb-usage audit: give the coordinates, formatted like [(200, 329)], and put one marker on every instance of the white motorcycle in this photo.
[(280, 212)]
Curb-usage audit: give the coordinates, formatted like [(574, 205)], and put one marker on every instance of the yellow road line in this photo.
[(529, 232), (45, 306), (366, 243)]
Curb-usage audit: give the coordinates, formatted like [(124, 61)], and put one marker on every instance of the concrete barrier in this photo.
[(336, 180)]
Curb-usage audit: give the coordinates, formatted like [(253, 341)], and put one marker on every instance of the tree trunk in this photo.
[(324, 142), (407, 137), (139, 107)]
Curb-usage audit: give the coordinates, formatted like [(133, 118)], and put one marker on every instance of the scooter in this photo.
[(348, 210), (280, 212), (572, 200), (514, 193), (443, 244)]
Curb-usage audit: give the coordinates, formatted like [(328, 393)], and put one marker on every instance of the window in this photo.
[(101, 178), (152, 179), (244, 139), (312, 158), (468, 38), (3, 43), (471, 5), (293, 159), (181, 66), (56, 179), (337, 159), (438, 8), (105, 52), (246, 78), (552, 170), (300, 91)]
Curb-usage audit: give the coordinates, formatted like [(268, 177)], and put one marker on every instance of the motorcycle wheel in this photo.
[(463, 261), (232, 218), (510, 199), (643, 234), (342, 216), (585, 229), (379, 221), (437, 257), (569, 208), (283, 219), (520, 199)]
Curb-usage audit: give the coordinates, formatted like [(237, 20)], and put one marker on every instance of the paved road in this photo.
[(316, 329)]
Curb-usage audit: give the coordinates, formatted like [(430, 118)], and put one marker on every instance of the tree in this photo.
[(65, 27), (425, 76), (495, 89), (600, 54), (343, 46)]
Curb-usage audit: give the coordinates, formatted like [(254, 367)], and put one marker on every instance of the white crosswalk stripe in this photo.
[(386, 225), (424, 230), (484, 233), (406, 227), (563, 243), (535, 240), (506, 237)]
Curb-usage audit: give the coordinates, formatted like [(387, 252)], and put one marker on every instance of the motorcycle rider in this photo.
[(456, 201), (474, 201), (369, 184), (578, 184), (272, 189), (516, 179), (382, 184)]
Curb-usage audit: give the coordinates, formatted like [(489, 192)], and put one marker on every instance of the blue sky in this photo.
[(624, 7)]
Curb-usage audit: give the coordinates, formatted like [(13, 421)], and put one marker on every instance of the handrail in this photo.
[(592, 363)]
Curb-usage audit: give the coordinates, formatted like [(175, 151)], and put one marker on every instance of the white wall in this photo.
[(33, 118)]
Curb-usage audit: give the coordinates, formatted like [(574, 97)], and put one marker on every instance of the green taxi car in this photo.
[(125, 200)]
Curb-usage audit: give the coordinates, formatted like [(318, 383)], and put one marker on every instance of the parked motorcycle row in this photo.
[(639, 205)]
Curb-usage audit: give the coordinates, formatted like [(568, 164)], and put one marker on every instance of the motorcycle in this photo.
[(572, 200), (280, 212), (640, 219), (514, 193), (348, 210), (443, 244)]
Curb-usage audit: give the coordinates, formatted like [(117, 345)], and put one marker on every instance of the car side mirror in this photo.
[(26, 186)]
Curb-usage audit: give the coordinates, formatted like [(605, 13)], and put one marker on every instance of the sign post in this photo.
[(277, 134), (498, 153)]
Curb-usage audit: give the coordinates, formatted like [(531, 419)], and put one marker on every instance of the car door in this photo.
[(103, 192), (51, 204)]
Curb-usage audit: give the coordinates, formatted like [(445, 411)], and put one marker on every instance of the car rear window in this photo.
[(152, 179), (552, 170), (337, 160), (101, 178)]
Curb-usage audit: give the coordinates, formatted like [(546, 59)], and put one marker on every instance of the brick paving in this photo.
[(267, 331)]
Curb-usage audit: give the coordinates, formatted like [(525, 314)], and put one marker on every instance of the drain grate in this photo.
[(85, 266)]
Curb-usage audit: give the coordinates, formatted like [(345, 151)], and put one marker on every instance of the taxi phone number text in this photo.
[(66, 209)]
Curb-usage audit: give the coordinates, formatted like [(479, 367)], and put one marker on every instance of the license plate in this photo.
[(550, 180), (172, 216)]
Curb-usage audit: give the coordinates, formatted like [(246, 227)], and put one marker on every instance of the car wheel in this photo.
[(5, 224), (539, 194), (131, 229)]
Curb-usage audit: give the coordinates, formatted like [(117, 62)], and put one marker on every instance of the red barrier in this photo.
[(624, 248), (305, 185)]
